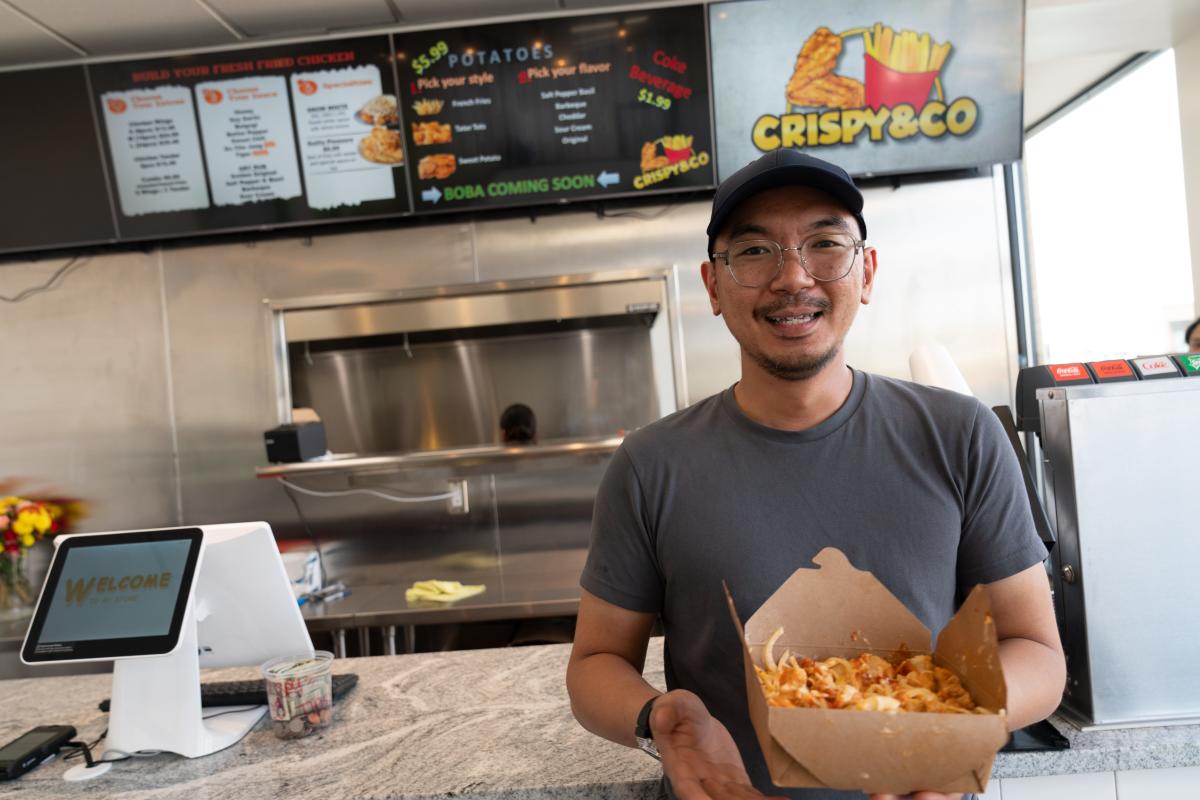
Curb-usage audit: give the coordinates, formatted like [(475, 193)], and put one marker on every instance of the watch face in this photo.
[(648, 746)]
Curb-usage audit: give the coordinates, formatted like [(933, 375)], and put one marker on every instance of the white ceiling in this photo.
[(1070, 44)]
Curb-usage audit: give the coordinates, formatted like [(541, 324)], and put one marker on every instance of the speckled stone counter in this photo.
[(473, 724)]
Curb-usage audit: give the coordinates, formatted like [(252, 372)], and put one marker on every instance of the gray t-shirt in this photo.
[(917, 485)]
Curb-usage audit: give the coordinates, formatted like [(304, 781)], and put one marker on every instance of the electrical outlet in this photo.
[(459, 502)]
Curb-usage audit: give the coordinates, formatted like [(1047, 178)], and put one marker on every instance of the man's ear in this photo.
[(708, 274), (870, 264)]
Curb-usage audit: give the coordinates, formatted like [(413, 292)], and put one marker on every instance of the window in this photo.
[(1108, 223)]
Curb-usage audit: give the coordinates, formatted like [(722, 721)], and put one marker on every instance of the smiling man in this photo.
[(915, 484)]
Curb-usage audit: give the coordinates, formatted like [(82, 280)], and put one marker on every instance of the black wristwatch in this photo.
[(643, 734)]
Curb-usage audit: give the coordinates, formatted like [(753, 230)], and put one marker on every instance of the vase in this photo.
[(16, 591)]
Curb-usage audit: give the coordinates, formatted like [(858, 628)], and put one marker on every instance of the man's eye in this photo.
[(752, 250), (823, 244)]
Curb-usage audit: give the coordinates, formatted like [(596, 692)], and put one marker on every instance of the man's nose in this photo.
[(792, 275)]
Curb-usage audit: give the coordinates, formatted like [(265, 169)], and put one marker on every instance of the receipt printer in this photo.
[(299, 442)]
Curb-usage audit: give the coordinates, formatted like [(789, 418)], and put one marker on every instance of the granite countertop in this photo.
[(470, 724)]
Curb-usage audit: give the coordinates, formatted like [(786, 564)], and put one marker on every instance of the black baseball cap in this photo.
[(784, 167)]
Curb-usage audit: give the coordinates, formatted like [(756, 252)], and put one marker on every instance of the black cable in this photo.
[(311, 536), (85, 749), (237, 710), (48, 285)]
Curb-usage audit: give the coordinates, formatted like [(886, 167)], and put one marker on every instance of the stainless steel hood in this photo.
[(477, 309), (430, 370)]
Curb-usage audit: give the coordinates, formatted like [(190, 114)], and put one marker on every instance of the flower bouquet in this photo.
[(23, 523)]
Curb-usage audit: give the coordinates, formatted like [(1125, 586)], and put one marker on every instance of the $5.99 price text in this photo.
[(430, 57)]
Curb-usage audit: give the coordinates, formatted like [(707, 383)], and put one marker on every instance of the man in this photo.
[(917, 485), (1192, 337)]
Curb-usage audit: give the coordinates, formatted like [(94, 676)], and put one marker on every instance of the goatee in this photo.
[(799, 368)]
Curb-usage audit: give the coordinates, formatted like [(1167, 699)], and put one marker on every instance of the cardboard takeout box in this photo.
[(838, 610)]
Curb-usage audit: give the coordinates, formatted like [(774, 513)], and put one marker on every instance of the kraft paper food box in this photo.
[(837, 610)]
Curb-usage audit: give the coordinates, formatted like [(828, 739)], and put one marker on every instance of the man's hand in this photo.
[(918, 796), (698, 754)]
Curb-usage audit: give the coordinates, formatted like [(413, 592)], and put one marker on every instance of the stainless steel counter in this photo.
[(520, 586)]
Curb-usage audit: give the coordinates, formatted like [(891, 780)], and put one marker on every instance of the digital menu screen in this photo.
[(548, 110), (876, 87), (250, 138), (53, 189)]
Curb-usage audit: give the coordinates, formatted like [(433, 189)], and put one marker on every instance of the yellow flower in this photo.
[(42, 521), (27, 541), (23, 525)]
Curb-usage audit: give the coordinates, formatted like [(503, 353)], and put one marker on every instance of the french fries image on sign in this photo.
[(674, 147), (907, 51), (813, 82), (865, 683), (428, 107)]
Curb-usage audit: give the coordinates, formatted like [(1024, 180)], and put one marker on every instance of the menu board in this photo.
[(876, 87), (555, 109), (53, 192), (251, 138)]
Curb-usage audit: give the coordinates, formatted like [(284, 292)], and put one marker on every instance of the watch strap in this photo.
[(642, 731)]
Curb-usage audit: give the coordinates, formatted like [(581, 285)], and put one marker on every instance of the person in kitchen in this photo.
[(915, 484), (518, 425)]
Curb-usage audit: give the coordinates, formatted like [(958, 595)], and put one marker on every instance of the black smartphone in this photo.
[(32, 748)]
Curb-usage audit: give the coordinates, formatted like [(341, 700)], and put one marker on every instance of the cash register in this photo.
[(161, 604)]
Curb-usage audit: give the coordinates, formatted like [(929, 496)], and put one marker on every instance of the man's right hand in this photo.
[(698, 754)]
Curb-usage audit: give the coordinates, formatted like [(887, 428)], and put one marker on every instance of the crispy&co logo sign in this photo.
[(666, 157), (901, 73)]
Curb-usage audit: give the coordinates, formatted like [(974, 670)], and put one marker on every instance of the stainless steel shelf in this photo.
[(463, 458)]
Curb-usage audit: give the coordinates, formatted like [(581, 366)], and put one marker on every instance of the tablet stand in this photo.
[(156, 704)]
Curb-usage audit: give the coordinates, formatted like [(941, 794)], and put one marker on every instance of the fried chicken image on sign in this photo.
[(651, 159), (813, 82), (382, 146)]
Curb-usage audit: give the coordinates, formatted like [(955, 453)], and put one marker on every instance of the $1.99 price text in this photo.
[(653, 99)]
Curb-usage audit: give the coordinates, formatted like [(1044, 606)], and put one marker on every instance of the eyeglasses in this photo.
[(825, 256)]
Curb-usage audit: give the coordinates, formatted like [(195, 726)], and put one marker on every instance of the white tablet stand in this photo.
[(242, 612)]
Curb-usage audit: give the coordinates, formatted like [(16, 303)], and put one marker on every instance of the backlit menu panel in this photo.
[(549, 110), (252, 138)]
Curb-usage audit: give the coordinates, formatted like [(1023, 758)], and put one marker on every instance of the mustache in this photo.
[(794, 301)]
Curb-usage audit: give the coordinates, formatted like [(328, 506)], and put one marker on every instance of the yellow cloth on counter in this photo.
[(442, 591)]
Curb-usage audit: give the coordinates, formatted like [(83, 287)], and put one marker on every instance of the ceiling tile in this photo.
[(116, 27), (22, 43), (292, 17), (418, 12)]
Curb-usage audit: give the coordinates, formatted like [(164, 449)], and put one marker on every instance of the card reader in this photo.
[(32, 748)]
